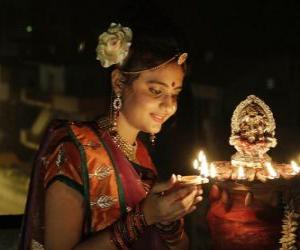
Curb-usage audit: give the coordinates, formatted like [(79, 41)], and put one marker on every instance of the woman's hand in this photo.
[(169, 201)]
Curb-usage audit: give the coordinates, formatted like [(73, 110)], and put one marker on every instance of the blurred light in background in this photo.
[(270, 83), (29, 28), (81, 46)]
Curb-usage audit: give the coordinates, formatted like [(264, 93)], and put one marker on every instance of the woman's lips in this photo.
[(158, 118)]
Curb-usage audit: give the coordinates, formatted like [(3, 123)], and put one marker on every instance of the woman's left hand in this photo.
[(191, 200), (170, 201)]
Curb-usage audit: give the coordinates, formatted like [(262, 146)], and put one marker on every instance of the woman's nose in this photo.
[(168, 104)]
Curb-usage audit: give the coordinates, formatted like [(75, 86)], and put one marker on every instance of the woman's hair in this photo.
[(151, 47)]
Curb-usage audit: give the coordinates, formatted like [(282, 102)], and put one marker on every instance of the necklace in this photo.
[(128, 149)]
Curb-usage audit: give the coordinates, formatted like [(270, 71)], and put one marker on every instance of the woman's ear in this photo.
[(116, 81)]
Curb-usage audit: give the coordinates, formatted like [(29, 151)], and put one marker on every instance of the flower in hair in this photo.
[(113, 45)]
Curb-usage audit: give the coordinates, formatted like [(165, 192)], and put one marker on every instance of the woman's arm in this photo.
[(64, 216), (64, 212)]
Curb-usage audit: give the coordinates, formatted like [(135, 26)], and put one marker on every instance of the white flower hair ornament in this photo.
[(114, 45)]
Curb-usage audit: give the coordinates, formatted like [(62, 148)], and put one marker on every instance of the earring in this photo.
[(116, 106), (152, 138)]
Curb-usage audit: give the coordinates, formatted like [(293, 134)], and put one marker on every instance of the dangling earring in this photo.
[(152, 138), (116, 106)]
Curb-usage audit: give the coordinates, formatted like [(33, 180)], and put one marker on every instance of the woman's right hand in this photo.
[(168, 201)]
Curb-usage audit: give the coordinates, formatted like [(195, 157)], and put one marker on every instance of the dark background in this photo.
[(235, 49)]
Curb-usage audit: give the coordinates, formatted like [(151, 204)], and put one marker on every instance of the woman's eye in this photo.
[(177, 95), (155, 91)]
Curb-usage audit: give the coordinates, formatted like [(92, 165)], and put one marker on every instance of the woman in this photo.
[(94, 183)]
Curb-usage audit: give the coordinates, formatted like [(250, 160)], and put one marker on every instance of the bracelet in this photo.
[(128, 228), (171, 233), (116, 239)]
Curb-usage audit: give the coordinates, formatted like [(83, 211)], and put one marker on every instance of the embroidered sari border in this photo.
[(121, 193), (68, 181), (85, 178)]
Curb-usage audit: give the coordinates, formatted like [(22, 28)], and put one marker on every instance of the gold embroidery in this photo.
[(92, 144), (101, 172), (104, 201), (61, 157)]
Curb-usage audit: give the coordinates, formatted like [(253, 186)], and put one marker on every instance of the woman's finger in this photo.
[(181, 214), (200, 190), (189, 200), (164, 186), (181, 206), (179, 194), (197, 199)]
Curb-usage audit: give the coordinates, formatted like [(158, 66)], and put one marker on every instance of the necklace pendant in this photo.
[(128, 149)]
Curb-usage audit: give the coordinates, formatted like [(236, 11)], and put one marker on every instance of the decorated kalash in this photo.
[(253, 200)]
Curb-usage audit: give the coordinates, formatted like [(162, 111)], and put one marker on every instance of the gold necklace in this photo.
[(128, 149)]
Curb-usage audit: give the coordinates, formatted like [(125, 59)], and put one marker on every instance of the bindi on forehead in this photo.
[(176, 86), (172, 85)]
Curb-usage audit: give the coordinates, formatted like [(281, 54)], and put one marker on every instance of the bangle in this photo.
[(128, 229), (116, 239), (171, 233)]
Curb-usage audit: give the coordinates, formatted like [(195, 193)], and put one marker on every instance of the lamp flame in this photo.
[(196, 164), (295, 167), (201, 156), (204, 171), (271, 171)]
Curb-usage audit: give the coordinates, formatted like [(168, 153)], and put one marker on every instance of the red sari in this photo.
[(85, 158)]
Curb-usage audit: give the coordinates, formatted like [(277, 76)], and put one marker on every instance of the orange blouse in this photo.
[(67, 164)]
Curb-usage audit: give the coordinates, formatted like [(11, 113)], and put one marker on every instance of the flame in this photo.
[(201, 156), (295, 167), (271, 171), (204, 171), (241, 173), (213, 170), (201, 164), (196, 164)]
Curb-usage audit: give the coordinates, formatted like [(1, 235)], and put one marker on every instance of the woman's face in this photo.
[(152, 98)]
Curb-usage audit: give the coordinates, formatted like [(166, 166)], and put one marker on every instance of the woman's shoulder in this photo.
[(59, 126), (64, 131), (65, 142)]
